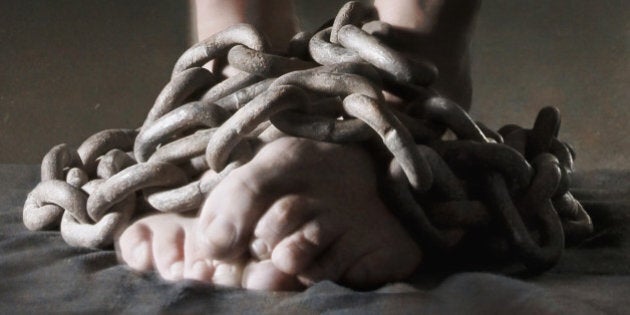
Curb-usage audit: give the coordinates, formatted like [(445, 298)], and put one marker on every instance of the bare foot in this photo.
[(305, 210), (165, 243), (314, 209)]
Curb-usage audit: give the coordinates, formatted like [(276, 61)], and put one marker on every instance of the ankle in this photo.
[(275, 18), (407, 14), (212, 16)]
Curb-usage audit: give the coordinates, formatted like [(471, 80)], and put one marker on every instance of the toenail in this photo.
[(177, 270), (227, 275), (260, 249)]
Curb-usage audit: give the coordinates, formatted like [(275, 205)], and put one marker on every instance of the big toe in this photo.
[(134, 247), (229, 214)]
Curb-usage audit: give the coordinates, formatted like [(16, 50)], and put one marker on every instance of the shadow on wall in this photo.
[(73, 68)]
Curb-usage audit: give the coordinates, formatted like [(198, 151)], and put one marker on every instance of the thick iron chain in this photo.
[(511, 185)]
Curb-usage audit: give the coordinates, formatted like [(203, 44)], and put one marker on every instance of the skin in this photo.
[(212, 16), (312, 209), (301, 211), (442, 31)]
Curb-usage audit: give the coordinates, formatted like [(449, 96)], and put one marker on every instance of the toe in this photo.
[(333, 263), (229, 214), (263, 275), (221, 238), (200, 270), (197, 266), (135, 247), (284, 217), (168, 251), (228, 274), (296, 252)]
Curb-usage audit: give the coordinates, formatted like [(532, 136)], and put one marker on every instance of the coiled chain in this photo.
[(508, 190)]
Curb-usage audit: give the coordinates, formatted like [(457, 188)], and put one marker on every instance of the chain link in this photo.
[(508, 189)]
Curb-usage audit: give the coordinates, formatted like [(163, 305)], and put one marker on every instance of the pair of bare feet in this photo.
[(302, 211)]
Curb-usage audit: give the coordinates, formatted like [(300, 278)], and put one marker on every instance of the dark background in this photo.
[(70, 68)]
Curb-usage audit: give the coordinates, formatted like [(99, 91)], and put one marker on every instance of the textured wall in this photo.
[(573, 54), (71, 68)]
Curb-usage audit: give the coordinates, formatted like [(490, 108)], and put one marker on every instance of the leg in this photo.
[(275, 18), (442, 30)]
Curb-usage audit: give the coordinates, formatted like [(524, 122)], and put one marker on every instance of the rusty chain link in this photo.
[(511, 185)]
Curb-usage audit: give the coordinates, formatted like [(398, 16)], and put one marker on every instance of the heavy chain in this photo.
[(508, 189)]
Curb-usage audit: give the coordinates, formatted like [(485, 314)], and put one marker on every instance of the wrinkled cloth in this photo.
[(39, 273)]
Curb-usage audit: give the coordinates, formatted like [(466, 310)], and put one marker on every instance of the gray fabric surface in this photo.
[(40, 274)]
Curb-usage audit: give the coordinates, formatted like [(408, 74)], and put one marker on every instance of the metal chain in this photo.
[(511, 185)]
